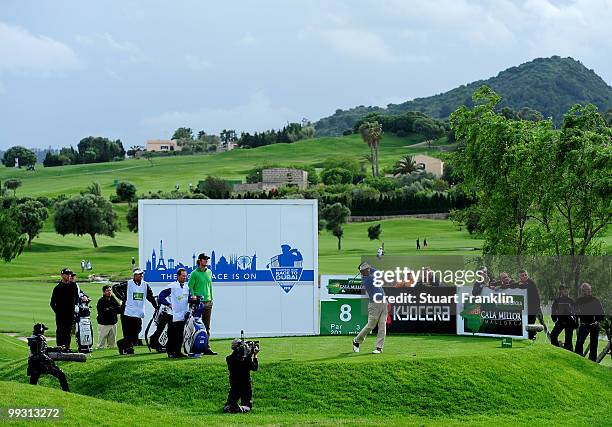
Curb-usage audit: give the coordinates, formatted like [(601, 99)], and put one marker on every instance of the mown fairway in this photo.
[(166, 172)]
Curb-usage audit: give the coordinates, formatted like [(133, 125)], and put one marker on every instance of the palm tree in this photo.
[(405, 165), (372, 132)]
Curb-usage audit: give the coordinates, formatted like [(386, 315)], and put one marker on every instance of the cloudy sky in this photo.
[(137, 70)]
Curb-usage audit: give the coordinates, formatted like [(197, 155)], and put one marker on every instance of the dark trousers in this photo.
[(51, 370), (63, 331), (131, 327), (175, 337), (242, 391), (569, 334), (531, 320), (583, 332)]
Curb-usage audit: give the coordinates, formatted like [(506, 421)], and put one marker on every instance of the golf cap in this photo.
[(67, 271), (138, 271), (203, 256), (363, 266)]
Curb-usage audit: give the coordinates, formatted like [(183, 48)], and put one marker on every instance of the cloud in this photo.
[(196, 62), (127, 51), (257, 114), (247, 40), (24, 52), (359, 44)]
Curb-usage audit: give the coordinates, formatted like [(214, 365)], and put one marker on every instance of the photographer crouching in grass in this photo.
[(240, 363)]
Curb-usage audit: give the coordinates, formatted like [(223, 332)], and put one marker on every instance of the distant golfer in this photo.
[(200, 285), (377, 311)]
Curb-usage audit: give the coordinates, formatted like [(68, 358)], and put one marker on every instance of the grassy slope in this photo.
[(168, 171), (418, 380)]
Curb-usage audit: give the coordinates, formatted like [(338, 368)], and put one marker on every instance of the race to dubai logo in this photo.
[(286, 267)]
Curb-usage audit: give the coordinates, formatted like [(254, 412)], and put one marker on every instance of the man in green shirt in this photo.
[(200, 285)]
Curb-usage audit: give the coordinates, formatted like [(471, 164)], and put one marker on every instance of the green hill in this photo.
[(548, 85), (166, 172), (418, 380)]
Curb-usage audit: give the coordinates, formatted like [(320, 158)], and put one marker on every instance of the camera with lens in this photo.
[(246, 348)]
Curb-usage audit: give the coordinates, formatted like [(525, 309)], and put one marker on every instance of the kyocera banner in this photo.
[(263, 257)]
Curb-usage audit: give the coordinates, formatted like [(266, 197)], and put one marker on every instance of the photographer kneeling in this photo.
[(240, 363)]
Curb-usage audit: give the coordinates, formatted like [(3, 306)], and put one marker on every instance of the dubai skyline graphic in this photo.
[(285, 268)]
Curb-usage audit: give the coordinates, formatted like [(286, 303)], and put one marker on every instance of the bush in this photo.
[(336, 176), (215, 188), (382, 184)]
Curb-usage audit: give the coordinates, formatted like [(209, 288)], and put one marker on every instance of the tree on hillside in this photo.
[(95, 149), (374, 231), (336, 176), (228, 135), (335, 216), (215, 188), (55, 159), (132, 218), (372, 132), (405, 165), (26, 157), (11, 240), (182, 133), (12, 184), (149, 156), (430, 129), (94, 188), (86, 214), (126, 192), (31, 216), (135, 149)]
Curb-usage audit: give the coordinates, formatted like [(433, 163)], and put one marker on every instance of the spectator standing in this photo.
[(108, 308), (590, 312)]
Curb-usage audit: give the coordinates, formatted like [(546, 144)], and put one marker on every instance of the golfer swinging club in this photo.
[(377, 311)]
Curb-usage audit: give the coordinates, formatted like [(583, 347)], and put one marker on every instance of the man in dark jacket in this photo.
[(564, 317), (240, 364), (533, 299), (108, 308), (590, 312), (39, 362), (64, 298)]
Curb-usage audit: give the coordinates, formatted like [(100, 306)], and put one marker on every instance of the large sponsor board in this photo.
[(490, 317), (429, 312), (263, 257), (344, 308)]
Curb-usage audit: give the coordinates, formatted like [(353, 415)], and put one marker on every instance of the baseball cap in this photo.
[(203, 256), (363, 266), (138, 271), (66, 271)]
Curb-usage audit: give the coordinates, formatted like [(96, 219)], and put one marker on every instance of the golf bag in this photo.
[(83, 329), (159, 339), (195, 339)]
